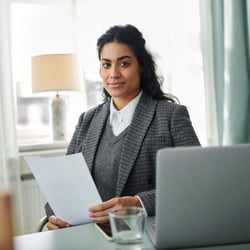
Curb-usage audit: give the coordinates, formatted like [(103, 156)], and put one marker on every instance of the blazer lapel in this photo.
[(95, 131), (141, 121)]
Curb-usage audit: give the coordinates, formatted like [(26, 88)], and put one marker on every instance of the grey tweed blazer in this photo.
[(155, 125)]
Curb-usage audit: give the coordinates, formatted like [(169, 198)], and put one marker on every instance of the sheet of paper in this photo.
[(66, 184)]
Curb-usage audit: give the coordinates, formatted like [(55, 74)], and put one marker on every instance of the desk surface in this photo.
[(87, 237)]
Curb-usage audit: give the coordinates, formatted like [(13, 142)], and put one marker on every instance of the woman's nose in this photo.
[(114, 72)]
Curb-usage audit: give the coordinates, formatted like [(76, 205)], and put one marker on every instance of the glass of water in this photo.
[(127, 224)]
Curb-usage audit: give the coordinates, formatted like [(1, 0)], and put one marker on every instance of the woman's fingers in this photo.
[(51, 226), (98, 215), (56, 223), (107, 205), (100, 212), (100, 219)]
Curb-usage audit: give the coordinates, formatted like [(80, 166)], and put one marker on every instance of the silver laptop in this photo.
[(202, 196)]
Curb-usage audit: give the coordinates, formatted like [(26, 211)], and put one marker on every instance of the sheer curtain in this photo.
[(9, 162), (230, 58), (208, 71)]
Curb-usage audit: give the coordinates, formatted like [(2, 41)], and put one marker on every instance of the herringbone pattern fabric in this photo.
[(155, 125)]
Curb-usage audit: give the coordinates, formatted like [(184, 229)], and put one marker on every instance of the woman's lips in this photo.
[(115, 84)]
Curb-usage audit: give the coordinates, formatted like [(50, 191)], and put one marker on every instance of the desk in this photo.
[(87, 237)]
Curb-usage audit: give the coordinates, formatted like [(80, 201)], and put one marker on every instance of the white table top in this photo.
[(87, 237)]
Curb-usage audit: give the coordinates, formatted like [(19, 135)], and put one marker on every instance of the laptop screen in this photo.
[(202, 196)]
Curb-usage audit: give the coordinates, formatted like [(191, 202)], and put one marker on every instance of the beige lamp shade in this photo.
[(56, 72)]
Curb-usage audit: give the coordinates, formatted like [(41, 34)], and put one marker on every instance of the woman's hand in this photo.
[(56, 223), (100, 213)]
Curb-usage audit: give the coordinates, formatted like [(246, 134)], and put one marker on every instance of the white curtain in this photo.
[(208, 71), (9, 161), (226, 54)]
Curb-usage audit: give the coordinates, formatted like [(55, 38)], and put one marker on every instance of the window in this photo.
[(171, 29), (40, 27)]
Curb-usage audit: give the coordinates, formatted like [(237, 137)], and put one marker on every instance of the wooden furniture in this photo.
[(6, 222)]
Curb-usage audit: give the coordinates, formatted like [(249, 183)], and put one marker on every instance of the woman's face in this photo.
[(120, 72)]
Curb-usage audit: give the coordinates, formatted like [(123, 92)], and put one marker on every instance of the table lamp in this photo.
[(57, 72)]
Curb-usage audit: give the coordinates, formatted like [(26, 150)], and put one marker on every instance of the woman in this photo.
[(120, 137)]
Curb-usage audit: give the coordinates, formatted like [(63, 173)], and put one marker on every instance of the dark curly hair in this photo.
[(132, 37)]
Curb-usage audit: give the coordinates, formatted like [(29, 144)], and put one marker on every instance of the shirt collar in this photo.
[(126, 113)]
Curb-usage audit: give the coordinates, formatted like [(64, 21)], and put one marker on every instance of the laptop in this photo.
[(202, 197)]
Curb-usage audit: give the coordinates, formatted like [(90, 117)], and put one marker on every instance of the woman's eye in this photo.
[(105, 65), (124, 64)]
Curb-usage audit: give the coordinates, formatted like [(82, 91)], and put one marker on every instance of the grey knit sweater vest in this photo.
[(107, 161)]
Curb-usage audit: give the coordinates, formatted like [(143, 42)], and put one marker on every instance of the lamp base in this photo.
[(59, 118)]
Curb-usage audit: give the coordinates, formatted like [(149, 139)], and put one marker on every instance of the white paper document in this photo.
[(67, 185)]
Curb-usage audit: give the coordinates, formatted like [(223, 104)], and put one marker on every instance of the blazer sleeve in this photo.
[(177, 123), (48, 210), (181, 128)]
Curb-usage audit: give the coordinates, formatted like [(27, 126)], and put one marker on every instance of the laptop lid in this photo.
[(202, 196)]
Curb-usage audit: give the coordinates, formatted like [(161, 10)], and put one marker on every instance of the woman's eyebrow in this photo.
[(105, 59), (118, 59), (123, 57)]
